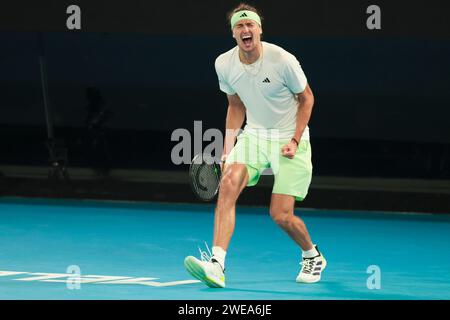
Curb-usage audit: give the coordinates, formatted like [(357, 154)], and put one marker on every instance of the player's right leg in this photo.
[(210, 267)]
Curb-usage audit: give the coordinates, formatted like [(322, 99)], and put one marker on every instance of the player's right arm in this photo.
[(235, 119)]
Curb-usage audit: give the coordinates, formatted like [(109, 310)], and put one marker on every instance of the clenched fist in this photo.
[(289, 149)]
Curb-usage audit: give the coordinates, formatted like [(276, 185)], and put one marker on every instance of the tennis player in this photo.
[(267, 84)]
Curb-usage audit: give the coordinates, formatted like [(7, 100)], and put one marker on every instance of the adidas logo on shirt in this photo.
[(266, 80)]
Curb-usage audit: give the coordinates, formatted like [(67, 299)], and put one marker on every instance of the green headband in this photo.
[(245, 14)]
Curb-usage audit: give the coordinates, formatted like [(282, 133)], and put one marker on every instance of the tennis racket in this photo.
[(204, 176)]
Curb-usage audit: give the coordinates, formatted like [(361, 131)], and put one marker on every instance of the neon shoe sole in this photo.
[(199, 273)]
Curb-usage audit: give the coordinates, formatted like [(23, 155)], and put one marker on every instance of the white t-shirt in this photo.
[(268, 89)]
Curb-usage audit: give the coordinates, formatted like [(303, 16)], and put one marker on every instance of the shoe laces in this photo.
[(308, 265), (205, 256)]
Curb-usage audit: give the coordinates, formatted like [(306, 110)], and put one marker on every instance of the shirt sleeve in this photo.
[(294, 76), (223, 85)]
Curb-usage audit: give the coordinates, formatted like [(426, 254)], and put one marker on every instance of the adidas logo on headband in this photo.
[(241, 15)]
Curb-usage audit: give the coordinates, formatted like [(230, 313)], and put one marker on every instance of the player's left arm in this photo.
[(305, 106)]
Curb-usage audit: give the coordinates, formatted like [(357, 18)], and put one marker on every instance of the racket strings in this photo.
[(205, 179)]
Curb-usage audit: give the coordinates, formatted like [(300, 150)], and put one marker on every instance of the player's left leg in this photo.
[(282, 212), (292, 180)]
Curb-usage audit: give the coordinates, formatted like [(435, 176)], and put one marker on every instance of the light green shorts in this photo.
[(292, 176)]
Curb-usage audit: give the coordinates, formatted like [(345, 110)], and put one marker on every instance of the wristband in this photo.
[(223, 158), (295, 140)]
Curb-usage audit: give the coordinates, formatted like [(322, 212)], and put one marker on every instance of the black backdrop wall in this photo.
[(382, 96)]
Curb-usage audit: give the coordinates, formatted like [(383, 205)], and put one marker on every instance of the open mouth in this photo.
[(247, 40)]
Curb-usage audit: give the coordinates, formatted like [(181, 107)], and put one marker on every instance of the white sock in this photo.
[(219, 254), (310, 253)]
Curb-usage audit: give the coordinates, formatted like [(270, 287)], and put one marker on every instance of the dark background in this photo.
[(382, 96)]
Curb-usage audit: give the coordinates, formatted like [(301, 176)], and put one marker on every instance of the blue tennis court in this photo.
[(126, 250)]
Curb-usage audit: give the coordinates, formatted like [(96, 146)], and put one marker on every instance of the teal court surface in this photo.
[(131, 250)]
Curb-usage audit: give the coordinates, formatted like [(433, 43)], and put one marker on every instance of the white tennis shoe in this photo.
[(208, 270), (312, 268)]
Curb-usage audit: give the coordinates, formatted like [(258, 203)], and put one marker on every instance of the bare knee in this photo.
[(232, 181), (282, 217), (229, 184)]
